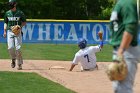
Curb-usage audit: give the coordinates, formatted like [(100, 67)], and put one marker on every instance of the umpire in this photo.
[(124, 39)]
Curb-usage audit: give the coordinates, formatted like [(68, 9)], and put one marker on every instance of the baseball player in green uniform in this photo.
[(124, 39), (14, 17)]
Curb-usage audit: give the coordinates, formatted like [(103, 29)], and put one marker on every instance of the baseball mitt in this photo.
[(117, 70), (100, 34), (16, 29)]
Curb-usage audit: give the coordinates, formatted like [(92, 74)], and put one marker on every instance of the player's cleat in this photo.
[(19, 67), (13, 64)]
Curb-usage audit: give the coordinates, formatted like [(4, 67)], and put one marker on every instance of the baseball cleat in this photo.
[(13, 64), (19, 67)]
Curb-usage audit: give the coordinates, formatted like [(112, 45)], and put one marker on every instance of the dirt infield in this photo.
[(82, 82)]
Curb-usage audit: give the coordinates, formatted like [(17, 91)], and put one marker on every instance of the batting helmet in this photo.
[(82, 43)]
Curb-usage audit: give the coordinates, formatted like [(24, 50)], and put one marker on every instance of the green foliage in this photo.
[(105, 14), (54, 52), (17, 82), (61, 9)]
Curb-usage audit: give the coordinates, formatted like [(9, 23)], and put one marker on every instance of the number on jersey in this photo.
[(86, 56)]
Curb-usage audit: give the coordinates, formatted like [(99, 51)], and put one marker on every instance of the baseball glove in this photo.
[(16, 29), (117, 70), (100, 34)]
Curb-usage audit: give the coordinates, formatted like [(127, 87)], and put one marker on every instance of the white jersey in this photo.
[(87, 57)]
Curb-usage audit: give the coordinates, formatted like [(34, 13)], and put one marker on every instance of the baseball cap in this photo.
[(12, 0)]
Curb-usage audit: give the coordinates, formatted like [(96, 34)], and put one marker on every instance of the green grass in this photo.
[(54, 52), (18, 82), (13, 82)]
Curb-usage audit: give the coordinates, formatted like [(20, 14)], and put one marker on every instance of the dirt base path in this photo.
[(82, 82)]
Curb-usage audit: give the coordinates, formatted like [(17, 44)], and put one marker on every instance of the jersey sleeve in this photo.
[(130, 18), (76, 59), (23, 17), (5, 18), (95, 48)]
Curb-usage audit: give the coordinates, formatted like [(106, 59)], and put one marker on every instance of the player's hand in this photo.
[(120, 52), (4, 34)]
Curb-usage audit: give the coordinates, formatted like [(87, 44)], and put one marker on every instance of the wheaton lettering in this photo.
[(64, 31)]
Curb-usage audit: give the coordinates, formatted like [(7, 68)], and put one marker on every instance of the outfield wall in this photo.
[(62, 31)]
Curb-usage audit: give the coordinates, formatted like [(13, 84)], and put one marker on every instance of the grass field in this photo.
[(18, 82), (54, 52), (13, 82)]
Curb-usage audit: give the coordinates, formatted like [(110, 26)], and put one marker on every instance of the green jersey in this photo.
[(124, 17), (14, 18)]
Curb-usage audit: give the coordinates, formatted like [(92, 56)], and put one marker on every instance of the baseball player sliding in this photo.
[(86, 55), (14, 20)]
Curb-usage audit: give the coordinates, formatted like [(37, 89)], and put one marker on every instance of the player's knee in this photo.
[(18, 47), (18, 53), (11, 50), (10, 47)]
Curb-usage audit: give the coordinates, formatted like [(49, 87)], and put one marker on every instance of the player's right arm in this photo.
[(72, 66), (75, 62), (5, 25), (5, 33)]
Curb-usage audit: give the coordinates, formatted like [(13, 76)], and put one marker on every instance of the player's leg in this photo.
[(10, 42), (18, 43), (127, 84), (19, 59), (132, 58)]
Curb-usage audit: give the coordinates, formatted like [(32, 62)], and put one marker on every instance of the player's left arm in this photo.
[(23, 19), (100, 35), (101, 44), (23, 24)]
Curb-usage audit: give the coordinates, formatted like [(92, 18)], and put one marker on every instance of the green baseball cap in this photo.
[(12, 0)]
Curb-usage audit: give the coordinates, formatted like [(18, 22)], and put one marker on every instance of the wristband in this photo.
[(101, 43)]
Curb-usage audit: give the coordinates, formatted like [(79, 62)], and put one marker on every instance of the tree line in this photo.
[(62, 9)]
